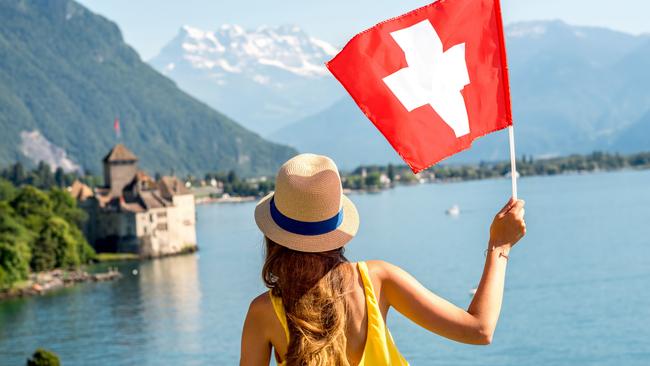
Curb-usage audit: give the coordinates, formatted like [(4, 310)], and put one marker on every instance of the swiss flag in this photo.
[(432, 80), (116, 127)]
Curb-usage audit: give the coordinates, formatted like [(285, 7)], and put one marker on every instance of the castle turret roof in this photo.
[(120, 153), (172, 186), (80, 191)]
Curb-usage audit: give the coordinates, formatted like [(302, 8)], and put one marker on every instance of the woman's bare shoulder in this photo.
[(381, 269), (261, 306)]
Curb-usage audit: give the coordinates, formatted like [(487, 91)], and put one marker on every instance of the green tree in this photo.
[(44, 250), (31, 201), (39, 231), (41, 177), (60, 177), (33, 206), (55, 247), (17, 173), (265, 187), (232, 177), (14, 262), (14, 248), (391, 172), (43, 357), (85, 252), (64, 205), (354, 182), (372, 179), (7, 190)]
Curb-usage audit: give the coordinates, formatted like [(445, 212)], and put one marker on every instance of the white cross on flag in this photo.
[(432, 80)]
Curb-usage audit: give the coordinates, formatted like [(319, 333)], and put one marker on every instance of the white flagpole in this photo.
[(513, 162)]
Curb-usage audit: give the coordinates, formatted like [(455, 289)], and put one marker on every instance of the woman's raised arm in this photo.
[(475, 325)]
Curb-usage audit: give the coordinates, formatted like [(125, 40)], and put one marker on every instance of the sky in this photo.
[(148, 25)]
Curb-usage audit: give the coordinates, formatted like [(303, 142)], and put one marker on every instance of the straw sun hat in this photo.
[(308, 211)]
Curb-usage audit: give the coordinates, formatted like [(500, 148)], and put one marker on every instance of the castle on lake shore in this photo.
[(134, 213)]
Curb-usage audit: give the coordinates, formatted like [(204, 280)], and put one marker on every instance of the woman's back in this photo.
[(368, 340)]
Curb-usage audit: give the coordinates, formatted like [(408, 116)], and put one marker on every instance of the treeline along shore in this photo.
[(40, 222), (231, 187), (377, 177), (374, 177)]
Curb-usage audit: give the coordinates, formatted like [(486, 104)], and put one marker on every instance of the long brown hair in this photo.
[(312, 287)]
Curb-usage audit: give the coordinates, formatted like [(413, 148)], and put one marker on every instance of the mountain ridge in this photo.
[(574, 90), (264, 77), (66, 72)]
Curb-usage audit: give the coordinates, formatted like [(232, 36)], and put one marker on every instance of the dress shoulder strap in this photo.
[(367, 283), (279, 312), (380, 348)]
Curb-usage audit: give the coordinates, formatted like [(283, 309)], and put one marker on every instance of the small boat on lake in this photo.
[(453, 210)]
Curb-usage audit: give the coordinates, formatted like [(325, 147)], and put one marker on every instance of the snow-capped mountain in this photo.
[(264, 78), (234, 50), (574, 90)]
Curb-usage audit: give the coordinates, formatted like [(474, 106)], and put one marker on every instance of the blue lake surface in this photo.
[(577, 289)]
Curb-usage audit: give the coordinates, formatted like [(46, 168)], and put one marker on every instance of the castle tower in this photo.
[(120, 167)]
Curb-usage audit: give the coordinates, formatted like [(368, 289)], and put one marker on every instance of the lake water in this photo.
[(577, 290)]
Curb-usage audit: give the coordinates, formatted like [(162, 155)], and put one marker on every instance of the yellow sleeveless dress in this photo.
[(380, 349)]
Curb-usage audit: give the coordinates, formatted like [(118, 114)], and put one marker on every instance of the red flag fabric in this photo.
[(432, 80), (116, 127)]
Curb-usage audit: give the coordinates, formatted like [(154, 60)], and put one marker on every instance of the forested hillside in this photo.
[(67, 73)]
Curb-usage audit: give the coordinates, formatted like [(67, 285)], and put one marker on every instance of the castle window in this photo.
[(161, 214), (162, 227)]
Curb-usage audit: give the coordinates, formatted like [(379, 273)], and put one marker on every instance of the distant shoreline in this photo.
[(459, 180), (374, 190), (237, 199), (41, 283)]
